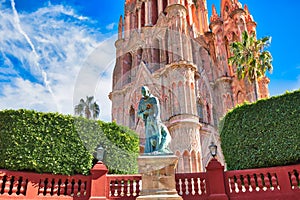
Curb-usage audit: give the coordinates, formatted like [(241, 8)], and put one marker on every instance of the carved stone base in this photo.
[(158, 177)]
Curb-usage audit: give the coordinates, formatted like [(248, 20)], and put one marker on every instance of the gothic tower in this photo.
[(170, 46)]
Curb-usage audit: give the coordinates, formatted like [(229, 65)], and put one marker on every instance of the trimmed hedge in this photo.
[(262, 134), (121, 144), (63, 144)]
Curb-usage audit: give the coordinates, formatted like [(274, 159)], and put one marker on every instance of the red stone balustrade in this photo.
[(191, 185), (214, 184), (265, 183), (123, 186), (26, 185)]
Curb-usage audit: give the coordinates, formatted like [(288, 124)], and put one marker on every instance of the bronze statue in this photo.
[(157, 134)]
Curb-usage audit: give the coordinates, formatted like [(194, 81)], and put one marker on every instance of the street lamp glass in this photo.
[(100, 153), (213, 149)]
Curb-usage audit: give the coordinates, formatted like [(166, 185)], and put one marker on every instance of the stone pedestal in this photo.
[(158, 177)]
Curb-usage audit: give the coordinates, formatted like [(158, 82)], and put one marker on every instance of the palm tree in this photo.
[(251, 59), (89, 108)]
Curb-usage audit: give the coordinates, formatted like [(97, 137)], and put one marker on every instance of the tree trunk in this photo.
[(87, 112), (256, 87)]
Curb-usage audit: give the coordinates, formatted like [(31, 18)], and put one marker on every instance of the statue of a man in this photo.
[(157, 134)]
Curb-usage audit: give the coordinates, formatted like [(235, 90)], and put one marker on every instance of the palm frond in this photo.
[(250, 58)]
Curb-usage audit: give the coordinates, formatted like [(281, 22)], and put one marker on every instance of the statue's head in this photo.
[(145, 91)]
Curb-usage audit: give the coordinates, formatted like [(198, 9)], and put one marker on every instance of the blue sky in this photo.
[(52, 53)]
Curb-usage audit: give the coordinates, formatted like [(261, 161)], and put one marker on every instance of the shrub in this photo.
[(262, 134), (62, 144), (121, 144)]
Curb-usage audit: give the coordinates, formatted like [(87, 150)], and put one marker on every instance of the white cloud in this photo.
[(25, 94), (110, 26), (68, 50), (94, 76)]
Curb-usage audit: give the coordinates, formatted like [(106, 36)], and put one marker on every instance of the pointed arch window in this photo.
[(208, 113), (155, 54), (226, 8), (143, 15), (186, 161), (139, 56), (200, 110), (127, 65), (165, 4), (193, 162), (240, 97), (166, 47), (154, 13), (226, 11), (132, 118)]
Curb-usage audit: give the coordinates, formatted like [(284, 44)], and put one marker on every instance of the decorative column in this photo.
[(148, 14), (127, 25)]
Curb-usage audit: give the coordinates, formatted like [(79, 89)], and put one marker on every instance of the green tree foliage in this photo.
[(251, 59), (262, 134), (88, 107), (63, 144)]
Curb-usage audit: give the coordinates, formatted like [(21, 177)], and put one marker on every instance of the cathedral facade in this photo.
[(172, 47)]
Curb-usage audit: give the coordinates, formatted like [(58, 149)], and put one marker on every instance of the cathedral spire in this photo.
[(251, 25), (214, 16), (120, 27), (235, 5), (248, 17)]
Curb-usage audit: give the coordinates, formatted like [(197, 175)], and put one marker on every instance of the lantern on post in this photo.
[(100, 153), (213, 149), (98, 173)]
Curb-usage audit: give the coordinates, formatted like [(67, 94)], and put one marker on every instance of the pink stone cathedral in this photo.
[(172, 47)]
